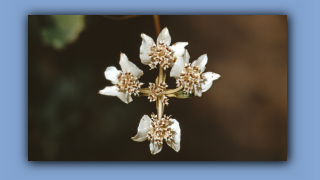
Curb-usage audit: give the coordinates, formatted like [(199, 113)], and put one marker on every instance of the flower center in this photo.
[(160, 54), (156, 91), (189, 78), (129, 83), (160, 129)]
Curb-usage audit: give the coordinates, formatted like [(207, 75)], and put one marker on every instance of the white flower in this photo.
[(191, 76), (157, 130), (161, 53), (125, 81)]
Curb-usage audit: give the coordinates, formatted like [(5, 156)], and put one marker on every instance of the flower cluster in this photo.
[(161, 53), (157, 91), (125, 81), (158, 129), (190, 78), (129, 83)]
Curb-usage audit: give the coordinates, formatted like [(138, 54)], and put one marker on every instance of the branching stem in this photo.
[(171, 91)]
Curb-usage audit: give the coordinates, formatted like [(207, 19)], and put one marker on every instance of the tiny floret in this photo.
[(157, 91)]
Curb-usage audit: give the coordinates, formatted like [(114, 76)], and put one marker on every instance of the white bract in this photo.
[(161, 53), (191, 76), (125, 81), (157, 130)]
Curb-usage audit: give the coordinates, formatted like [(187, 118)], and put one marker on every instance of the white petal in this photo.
[(197, 91), (143, 129), (112, 74), (179, 48), (155, 148), (128, 66), (176, 133), (201, 62), (147, 43), (113, 91), (210, 76), (177, 68), (179, 65), (164, 36), (186, 57)]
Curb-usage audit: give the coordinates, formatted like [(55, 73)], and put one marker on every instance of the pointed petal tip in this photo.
[(134, 139), (219, 76)]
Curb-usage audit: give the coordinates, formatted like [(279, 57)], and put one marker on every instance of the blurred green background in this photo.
[(242, 117)]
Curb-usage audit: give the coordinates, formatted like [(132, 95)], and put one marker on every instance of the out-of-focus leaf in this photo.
[(62, 29), (120, 17)]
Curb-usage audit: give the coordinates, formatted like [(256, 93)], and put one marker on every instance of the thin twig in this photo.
[(156, 23)]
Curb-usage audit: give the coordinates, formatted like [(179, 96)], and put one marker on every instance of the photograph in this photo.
[(157, 87)]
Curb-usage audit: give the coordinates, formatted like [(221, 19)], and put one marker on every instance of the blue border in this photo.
[(303, 93)]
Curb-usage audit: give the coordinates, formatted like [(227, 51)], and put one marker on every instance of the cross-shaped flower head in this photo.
[(191, 76), (161, 53), (157, 91), (157, 130), (125, 81)]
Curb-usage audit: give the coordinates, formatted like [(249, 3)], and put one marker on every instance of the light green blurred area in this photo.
[(62, 30)]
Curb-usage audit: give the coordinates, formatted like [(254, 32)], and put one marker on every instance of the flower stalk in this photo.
[(159, 103), (172, 91)]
